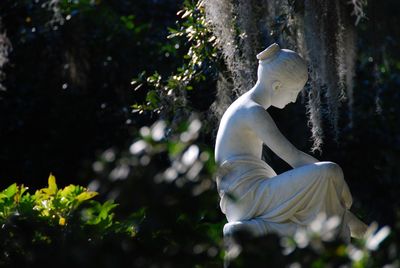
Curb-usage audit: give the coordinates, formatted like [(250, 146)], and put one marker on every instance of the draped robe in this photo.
[(251, 192)]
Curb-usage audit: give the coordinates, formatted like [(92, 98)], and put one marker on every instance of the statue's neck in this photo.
[(260, 94)]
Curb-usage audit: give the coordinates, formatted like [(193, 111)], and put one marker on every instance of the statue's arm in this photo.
[(265, 128)]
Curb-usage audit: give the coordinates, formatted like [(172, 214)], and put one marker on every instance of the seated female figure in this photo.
[(264, 201)]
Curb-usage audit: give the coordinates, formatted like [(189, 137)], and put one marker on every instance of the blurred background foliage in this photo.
[(115, 96)]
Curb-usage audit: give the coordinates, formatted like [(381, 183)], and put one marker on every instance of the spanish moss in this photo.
[(5, 49), (322, 31)]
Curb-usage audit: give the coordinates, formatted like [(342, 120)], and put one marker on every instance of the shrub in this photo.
[(56, 224)]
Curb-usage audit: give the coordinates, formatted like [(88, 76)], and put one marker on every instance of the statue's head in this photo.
[(283, 73)]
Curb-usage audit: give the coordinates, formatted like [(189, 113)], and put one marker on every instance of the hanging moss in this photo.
[(239, 40), (358, 9), (322, 31), (54, 7), (5, 49), (330, 43)]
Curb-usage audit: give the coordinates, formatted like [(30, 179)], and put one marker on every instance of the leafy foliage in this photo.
[(174, 168), (46, 227), (53, 218), (200, 62), (314, 246)]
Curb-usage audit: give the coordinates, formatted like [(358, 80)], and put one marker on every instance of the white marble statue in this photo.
[(253, 196)]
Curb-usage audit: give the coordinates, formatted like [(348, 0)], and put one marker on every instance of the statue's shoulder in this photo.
[(239, 107), (247, 109), (255, 113), (243, 103)]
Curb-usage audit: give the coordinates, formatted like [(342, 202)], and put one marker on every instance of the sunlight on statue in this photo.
[(253, 196)]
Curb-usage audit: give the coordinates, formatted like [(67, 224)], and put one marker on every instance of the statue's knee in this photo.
[(331, 169), (232, 228)]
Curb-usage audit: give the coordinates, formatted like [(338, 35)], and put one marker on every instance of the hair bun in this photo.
[(269, 53)]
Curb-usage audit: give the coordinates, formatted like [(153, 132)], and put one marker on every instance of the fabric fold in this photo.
[(252, 192)]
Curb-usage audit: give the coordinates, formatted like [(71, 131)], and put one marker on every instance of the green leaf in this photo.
[(85, 196), (68, 191), (106, 208), (187, 13), (152, 97), (26, 204), (52, 189), (20, 191), (11, 190), (175, 148)]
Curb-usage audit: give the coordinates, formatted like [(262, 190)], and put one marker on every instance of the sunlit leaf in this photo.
[(10, 191), (61, 221), (67, 191), (187, 13), (85, 196), (52, 184)]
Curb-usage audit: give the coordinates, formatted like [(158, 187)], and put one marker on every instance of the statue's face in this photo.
[(285, 94)]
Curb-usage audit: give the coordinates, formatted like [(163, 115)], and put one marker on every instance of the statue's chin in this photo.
[(280, 106)]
